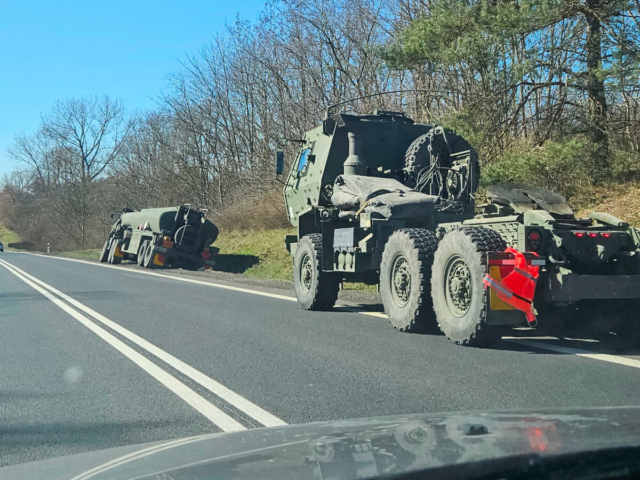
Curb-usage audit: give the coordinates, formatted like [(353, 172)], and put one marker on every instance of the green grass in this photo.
[(262, 254), (7, 236), (259, 254)]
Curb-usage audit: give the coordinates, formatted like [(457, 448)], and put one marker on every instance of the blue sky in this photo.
[(57, 49)]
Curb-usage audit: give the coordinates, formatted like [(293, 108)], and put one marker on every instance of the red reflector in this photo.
[(593, 235), (579, 234), (606, 235)]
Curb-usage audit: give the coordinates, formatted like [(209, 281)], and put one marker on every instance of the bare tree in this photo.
[(92, 130)]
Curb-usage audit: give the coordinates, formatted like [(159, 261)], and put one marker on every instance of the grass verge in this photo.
[(260, 254), (92, 253), (7, 236), (253, 253)]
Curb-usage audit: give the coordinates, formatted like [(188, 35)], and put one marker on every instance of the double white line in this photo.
[(214, 414)]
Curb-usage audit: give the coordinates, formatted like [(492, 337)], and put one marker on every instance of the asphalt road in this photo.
[(95, 356)]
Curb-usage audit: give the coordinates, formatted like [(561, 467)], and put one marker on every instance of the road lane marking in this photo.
[(210, 411), (575, 351), (172, 277), (229, 396), (543, 346), (349, 308)]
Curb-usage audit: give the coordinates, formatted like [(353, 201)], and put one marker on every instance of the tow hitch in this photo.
[(512, 278)]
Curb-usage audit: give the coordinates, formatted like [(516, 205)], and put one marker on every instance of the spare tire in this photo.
[(443, 143)]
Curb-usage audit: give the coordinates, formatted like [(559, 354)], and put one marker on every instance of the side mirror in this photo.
[(279, 162), (112, 215)]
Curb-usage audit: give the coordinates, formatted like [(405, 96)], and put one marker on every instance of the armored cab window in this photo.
[(304, 158), (303, 162)]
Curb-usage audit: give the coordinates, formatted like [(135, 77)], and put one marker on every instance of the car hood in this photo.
[(353, 448)]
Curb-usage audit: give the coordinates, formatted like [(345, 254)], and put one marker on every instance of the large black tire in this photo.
[(459, 298), (142, 250), (104, 253), (404, 279), (112, 252), (315, 289)]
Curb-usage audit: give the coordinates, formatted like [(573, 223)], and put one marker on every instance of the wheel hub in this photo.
[(401, 280), (306, 273), (458, 286)]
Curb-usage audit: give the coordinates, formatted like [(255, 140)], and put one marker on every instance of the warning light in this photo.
[(606, 235), (593, 235), (579, 234), (535, 240)]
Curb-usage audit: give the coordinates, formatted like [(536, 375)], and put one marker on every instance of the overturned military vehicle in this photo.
[(162, 237), (383, 200)]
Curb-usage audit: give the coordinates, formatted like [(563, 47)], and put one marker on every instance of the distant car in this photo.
[(1, 247)]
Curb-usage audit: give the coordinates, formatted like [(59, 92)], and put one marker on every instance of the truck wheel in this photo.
[(142, 250), (104, 253), (112, 252), (315, 289), (404, 279), (459, 297), (147, 262)]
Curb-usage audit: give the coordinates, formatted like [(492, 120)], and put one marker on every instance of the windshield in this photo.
[(454, 239)]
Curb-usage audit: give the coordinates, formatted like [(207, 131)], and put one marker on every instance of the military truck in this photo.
[(162, 237), (383, 200)]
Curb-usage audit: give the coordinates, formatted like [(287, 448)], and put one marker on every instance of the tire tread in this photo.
[(326, 292), (484, 240), (425, 243)]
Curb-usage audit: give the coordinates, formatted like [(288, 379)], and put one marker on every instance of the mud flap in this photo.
[(159, 259), (512, 281)]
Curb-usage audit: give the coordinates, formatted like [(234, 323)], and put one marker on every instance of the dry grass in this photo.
[(267, 212), (623, 201)]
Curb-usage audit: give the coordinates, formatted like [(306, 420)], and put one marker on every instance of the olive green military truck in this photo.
[(162, 237), (383, 200)]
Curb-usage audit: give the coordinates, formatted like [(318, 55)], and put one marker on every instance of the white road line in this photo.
[(172, 277), (210, 411), (544, 346), (629, 362), (208, 284), (229, 396), (347, 308)]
